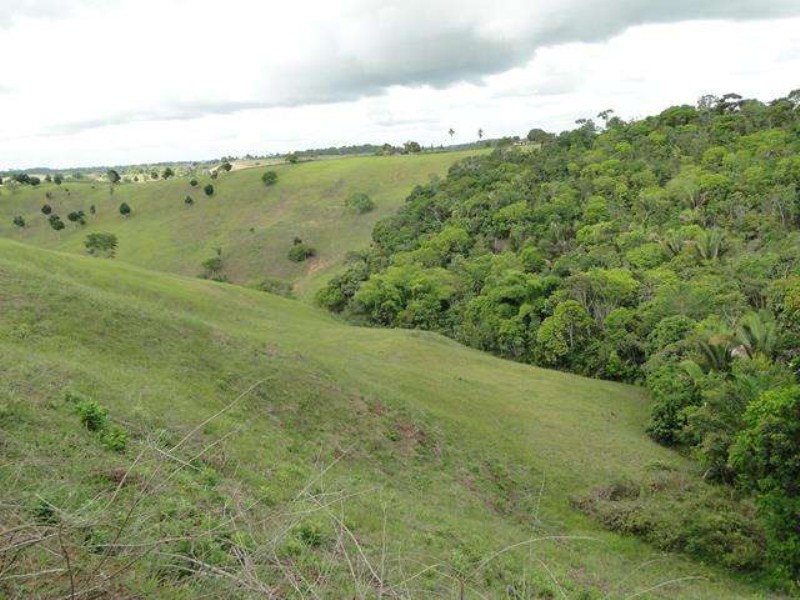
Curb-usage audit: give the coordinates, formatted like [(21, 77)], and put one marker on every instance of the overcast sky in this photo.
[(93, 82)]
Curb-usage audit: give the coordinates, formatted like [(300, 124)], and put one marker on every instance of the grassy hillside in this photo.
[(275, 452), (254, 225)]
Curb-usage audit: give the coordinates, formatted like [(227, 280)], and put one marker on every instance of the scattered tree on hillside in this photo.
[(292, 158), (168, 172), (213, 267), (101, 244), (34, 181), (77, 216), (93, 209), (209, 189), (193, 182), (48, 179), (47, 209), (58, 179), (154, 175), (124, 209), (226, 166), (19, 221), (300, 251), (188, 200), (112, 176), (55, 222), (412, 147), (269, 178)]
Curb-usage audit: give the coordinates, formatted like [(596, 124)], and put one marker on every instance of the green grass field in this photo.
[(362, 463), (252, 224)]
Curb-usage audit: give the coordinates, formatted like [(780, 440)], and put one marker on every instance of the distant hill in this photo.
[(253, 225)]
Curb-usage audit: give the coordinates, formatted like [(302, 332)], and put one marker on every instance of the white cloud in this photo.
[(137, 80)]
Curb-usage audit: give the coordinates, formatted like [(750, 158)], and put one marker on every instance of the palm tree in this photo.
[(451, 132), (757, 332), (480, 134)]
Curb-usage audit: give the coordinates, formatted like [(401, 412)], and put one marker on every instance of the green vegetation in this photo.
[(360, 203), (252, 222), (664, 251), (101, 244), (177, 438), (269, 178)]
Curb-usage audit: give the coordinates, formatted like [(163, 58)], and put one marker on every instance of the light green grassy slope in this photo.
[(437, 456), (254, 225)]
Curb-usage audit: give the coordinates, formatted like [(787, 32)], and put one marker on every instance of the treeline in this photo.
[(663, 251)]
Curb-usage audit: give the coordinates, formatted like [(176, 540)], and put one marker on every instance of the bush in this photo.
[(193, 182), (19, 221), (114, 438), (124, 209), (47, 209), (77, 216), (209, 190), (273, 285), (360, 203), (101, 243), (300, 252), (188, 200), (93, 416), (55, 222), (269, 178)]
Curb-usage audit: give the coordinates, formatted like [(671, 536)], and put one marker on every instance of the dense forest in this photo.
[(663, 251)]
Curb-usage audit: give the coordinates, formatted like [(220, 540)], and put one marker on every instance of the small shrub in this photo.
[(114, 438), (209, 190), (55, 222), (269, 178), (19, 221), (44, 513), (77, 216), (273, 285), (193, 182), (300, 252), (101, 244), (360, 203), (47, 209), (124, 209), (188, 200), (93, 416)]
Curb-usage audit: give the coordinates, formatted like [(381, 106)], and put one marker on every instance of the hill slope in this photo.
[(252, 224), (354, 460)]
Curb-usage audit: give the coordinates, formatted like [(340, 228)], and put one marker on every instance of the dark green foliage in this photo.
[(360, 203), (101, 244), (292, 158), (34, 181), (766, 455), (269, 178), (411, 147), (209, 189), (93, 209), (94, 417), (193, 182), (124, 209), (167, 173), (188, 200), (300, 251), (212, 267), (226, 166), (58, 179), (113, 176), (55, 222), (47, 209), (77, 216), (664, 251), (19, 221)]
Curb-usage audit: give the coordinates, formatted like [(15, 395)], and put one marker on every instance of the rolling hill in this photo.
[(163, 435), (253, 225)]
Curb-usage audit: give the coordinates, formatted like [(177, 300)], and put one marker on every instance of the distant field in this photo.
[(445, 463), (252, 224)]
